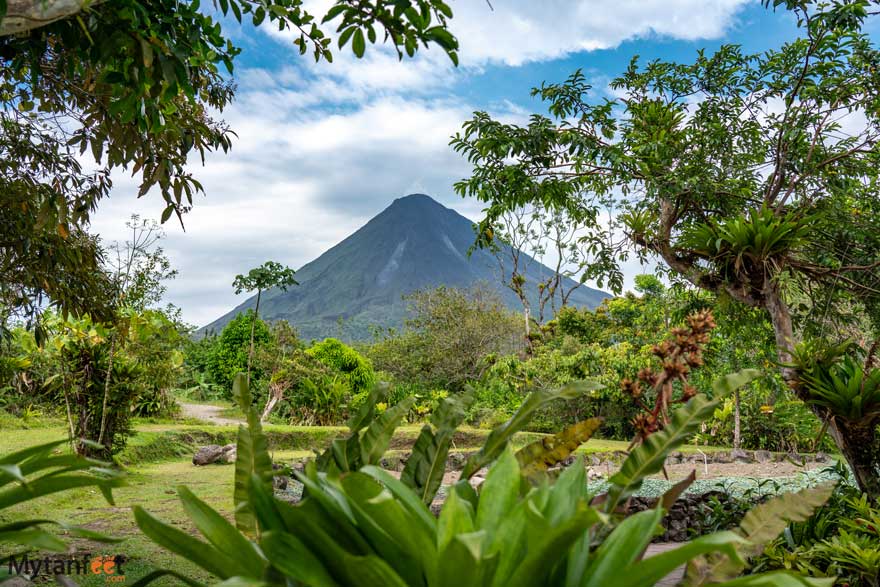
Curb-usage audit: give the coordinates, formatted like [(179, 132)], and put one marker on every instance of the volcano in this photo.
[(415, 243)]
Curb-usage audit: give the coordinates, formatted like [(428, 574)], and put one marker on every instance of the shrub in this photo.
[(841, 539), (230, 355), (352, 366), (367, 528)]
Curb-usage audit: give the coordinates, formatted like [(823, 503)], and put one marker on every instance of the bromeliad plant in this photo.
[(359, 526), (844, 389)]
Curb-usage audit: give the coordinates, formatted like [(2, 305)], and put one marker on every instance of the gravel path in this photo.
[(207, 413)]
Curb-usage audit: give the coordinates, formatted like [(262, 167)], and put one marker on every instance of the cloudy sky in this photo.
[(323, 148)]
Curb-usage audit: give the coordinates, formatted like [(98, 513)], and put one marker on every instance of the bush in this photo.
[(354, 368), (229, 356), (447, 338), (840, 540)]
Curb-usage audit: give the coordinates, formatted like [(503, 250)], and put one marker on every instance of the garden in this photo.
[(717, 424)]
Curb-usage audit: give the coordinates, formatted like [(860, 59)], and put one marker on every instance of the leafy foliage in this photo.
[(357, 370), (506, 533), (136, 85), (28, 474), (734, 170), (230, 355), (841, 539)]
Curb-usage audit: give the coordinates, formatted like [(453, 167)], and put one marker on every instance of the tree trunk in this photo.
[(858, 442), (860, 446), (253, 325), (736, 421), (107, 389)]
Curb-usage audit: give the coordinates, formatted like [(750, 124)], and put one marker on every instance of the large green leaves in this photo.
[(34, 472), (649, 457), (426, 464), (499, 437), (252, 458), (760, 525), (371, 433), (537, 457)]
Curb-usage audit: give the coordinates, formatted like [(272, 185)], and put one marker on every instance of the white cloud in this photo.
[(518, 31), (295, 183), (322, 148)]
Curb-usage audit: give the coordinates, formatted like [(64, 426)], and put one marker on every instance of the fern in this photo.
[(759, 526)]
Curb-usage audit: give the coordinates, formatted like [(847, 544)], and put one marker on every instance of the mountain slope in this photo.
[(413, 244)]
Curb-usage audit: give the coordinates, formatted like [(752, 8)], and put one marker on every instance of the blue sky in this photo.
[(322, 148)]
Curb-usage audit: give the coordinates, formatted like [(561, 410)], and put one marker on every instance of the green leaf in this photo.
[(650, 570), (499, 492), (221, 534), (291, 557), (648, 458), (181, 543), (625, 545), (378, 393), (390, 528), (377, 437), (456, 517), (426, 464), (724, 386), (551, 548), (535, 458), (252, 459), (500, 436), (357, 43), (405, 495)]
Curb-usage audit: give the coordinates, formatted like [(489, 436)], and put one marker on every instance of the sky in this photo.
[(322, 148)]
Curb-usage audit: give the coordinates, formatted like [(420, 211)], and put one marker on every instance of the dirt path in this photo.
[(675, 576), (207, 413)]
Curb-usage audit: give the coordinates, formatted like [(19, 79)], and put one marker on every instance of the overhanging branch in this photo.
[(25, 15)]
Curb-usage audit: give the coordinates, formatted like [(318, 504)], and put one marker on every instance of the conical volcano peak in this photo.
[(415, 243), (420, 203)]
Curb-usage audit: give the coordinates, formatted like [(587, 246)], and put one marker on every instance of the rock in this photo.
[(593, 474), (796, 458), (763, 456), (211, 454), (740, 456), (821, 457), (455, 461), (229, 453), (280, 480), (722, 457)]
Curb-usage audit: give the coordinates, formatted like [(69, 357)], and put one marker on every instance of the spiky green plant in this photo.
[(366, 528)]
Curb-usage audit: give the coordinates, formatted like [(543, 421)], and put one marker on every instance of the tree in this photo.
[(268, 275), (526, 234), (750, 176), (135, 85), (229, 355), (448, 336)]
